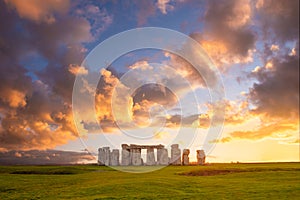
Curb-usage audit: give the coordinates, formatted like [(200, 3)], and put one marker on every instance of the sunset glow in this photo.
[(252, 51)]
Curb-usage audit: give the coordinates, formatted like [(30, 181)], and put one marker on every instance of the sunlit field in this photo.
[(221, 181)]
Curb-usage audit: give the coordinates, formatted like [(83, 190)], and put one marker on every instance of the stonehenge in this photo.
[(175, 155), (114, 157), (131, 155), (105, 157), (162, 156), (185, 157), (125, 155), (150, 156), (200, 157)]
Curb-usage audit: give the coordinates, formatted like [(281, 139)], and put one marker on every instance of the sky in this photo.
[(248, 48)]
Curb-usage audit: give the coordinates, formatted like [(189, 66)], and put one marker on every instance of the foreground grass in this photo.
[(221, 181)]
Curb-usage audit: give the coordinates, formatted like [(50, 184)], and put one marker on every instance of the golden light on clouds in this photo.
[(254, 46)]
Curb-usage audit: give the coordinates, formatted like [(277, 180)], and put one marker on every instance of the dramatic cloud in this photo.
[(227, 37), (99, 18), (104, 101), (188, 71), (235, 113), (274, 98), (35, 105), (264, 131), (280, 18), (43, 44), (39, 11), (277, 92), (44, 122)]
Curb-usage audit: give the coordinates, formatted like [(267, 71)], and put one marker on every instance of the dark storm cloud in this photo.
[(280, 18), (276, 99), (277, 92)]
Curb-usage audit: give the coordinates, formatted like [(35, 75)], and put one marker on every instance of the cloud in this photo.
[(14, 98), (145, 9), (235, 113), (43, 123), (274, 47), (47, 157), (143, 65), (188, 72), (39, 11), (35, 104), (277, 92), (163, 6), (75, 69), (227, 35), (104, 100), (274, 98), (148, 105), (264, 131), (222, 140), (279, 19), (100, 19)]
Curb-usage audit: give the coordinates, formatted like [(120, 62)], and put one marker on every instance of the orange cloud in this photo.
[(267, 130), (76, 69), (13, 97), (222, 140), (39, 11), (221, 53), (43, 122), (141, 115), (228, 38), (235, 112)]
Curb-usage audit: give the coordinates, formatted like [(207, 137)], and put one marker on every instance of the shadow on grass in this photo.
[(51, 171), (213, 172)]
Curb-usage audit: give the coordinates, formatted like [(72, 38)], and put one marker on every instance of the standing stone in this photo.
[(125, 155), (114, 157), (150, 156), (101, 156), (106, 159), (175, 155), (201, 157), (185, 157), (162, 156), (136, 158)]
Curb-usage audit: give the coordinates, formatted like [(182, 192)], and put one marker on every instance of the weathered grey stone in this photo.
[(175, 155), (185, 157), (136, 158), (114, 157), (106, 159), (131, 155), (101, 156), (201, 157), (162, 156), (150, 156), (125, 155)]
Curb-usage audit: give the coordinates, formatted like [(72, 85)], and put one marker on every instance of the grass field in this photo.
[(216, 181)]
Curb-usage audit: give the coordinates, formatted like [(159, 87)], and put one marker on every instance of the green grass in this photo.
[(216, 181)]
